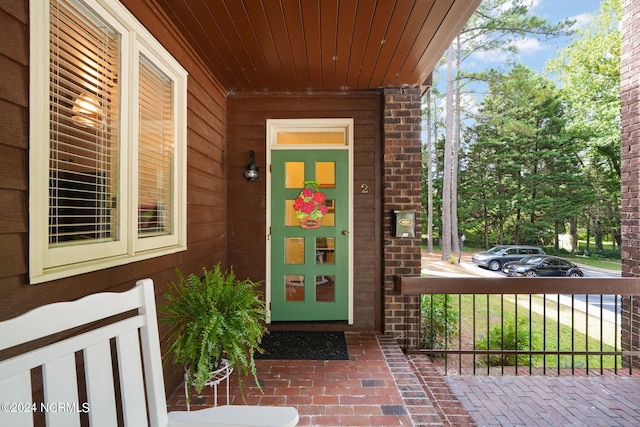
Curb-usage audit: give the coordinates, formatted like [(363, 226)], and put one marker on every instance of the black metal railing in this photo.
[(547, 326)]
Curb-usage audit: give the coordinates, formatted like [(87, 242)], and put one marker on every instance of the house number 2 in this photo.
[(364, 188)]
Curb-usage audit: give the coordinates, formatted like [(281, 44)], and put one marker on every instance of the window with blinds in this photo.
[(84, 60), (108, 140), (155, 151)]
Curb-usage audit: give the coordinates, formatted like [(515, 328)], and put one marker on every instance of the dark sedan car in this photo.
[(532, 266), (496, 257)]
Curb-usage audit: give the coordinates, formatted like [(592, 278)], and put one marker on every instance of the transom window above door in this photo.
[(309, 133), (323, 137)]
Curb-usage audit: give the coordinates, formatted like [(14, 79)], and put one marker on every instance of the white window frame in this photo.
[(49, 263)]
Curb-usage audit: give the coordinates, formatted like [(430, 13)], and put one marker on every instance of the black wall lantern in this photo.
[(251, 172)]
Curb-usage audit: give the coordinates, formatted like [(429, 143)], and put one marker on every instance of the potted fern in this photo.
[(214, 317)]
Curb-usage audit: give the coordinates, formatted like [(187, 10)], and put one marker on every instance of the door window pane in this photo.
[(294, 174), (290, 214), (294, 250), (329, 219), (325, 288), (326, 174), (325, 247), (294, 285)]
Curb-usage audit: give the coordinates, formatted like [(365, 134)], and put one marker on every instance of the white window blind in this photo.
[(84, 58), (107, 135), (155, 151)]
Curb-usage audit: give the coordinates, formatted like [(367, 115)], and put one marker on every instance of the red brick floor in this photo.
[(594, 400), (377, 386), (381, 386)]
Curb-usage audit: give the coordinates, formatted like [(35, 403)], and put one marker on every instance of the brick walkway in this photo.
[(381, 386), (549, 401)]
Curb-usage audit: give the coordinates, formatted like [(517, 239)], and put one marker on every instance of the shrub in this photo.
[(452, 259), (439, 319), (507, 337), (610, 253)]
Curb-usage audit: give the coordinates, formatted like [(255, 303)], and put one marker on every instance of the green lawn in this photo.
[(594, 262), (548, 328)]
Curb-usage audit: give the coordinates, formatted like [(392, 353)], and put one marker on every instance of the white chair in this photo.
[(134, 333)]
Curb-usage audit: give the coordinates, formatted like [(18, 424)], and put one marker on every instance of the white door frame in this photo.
[(291, 125)]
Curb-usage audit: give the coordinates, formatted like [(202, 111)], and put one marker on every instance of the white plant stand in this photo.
[(217, 376)]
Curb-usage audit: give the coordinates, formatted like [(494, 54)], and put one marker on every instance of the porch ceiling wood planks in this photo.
[(263, 46)]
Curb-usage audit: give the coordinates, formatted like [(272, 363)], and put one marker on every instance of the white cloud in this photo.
[(532, 4), (581, 20), (536, 3), (528, 46), (488, 57)]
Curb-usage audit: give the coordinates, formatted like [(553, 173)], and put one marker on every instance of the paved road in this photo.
[(610, 303), (598, 272)]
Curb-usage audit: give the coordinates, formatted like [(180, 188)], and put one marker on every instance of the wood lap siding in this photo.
[(206, 176), (14, 150), (247, 201)]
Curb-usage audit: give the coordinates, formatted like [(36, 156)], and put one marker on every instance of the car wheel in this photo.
[(494, 265), (531, 273), (575, 274)]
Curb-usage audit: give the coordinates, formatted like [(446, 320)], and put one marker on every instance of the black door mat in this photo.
[(304, 345)]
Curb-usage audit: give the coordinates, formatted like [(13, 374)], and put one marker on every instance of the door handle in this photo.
[(345, 233)]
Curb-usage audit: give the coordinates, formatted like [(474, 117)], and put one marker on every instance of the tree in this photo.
[(494, 27), (486, 184), (428, 166), (447, 197), (589, 70), (524, 160)]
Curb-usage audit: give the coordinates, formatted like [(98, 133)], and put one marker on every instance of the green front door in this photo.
[(309, 267)]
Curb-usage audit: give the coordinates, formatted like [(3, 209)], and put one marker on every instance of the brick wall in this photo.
[(630, 148), (402, 191)]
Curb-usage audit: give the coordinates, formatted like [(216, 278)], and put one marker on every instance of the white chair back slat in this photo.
[(60, 389), (131, 380), (14, 391), (101, 396), (152, 357), (57, 317), (59, 349)]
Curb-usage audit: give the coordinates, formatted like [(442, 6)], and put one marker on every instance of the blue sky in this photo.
[(534, 53)]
